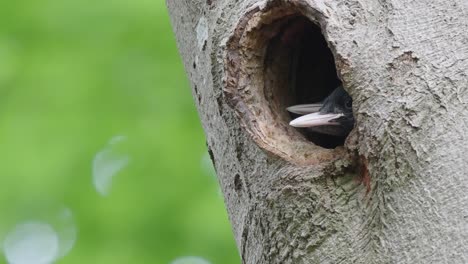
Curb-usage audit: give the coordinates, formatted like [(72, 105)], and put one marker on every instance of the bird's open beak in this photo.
[(304, 109), (316, 119)]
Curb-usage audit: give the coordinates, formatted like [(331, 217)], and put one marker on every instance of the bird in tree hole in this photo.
[(333, 116)]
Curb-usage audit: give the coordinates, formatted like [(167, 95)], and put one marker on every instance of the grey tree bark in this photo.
[(397, 191)]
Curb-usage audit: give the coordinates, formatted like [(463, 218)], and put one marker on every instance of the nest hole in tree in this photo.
[(277, 57), (300, 69)]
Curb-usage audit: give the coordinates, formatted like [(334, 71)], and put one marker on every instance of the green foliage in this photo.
[(74, 74)]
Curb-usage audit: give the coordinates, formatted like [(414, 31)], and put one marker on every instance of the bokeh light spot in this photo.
[(107, 163), (41, 241), (190, 260), (31, 243), (67, 231)]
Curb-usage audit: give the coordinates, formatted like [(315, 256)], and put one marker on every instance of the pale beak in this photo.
[(304, 109), (316, 119)]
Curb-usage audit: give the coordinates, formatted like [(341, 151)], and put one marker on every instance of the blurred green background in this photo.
[(74, 74)]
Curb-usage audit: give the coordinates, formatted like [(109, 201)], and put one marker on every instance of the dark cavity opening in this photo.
[(300, 69)]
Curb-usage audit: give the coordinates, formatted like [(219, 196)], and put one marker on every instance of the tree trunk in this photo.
[(396, 191)]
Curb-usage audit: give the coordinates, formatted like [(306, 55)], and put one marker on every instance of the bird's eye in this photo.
[(349, 104)]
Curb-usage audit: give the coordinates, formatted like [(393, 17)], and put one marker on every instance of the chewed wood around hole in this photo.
[(276, 58)]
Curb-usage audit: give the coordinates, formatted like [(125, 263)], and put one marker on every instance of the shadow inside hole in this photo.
[(301, 70)]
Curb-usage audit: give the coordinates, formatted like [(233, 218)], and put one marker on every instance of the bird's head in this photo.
[(333, 116)]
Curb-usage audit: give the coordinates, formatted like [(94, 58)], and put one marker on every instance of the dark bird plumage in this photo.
[(333, 116)]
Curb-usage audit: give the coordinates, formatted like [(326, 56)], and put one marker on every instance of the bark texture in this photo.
[(397, 191)]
